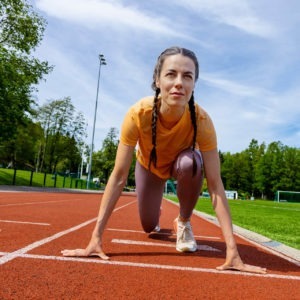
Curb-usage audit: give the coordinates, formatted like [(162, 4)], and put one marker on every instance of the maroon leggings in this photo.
[(150, 188)]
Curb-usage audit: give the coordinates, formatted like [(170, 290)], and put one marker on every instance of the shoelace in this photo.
[(185, 232)]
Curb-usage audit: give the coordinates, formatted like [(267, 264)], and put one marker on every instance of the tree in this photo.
[(104, 160), (64, 133), (235, 171), (290, 179), (254, 152), (21, 31), (226, 169)]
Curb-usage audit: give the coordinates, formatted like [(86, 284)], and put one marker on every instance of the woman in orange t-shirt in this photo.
[(175, 138)]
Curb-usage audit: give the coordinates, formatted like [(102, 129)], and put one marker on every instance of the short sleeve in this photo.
[(206, 134), (129, 130)]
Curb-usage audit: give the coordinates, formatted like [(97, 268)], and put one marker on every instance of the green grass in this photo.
[(40, 179), (277, 221)]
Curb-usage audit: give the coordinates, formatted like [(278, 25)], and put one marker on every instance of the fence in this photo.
[(36, 179)]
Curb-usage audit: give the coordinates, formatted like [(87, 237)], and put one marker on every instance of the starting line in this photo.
[(153, 266), (130, 242), (163, 233)]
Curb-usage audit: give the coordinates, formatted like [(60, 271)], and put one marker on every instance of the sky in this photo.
[(248, 52)]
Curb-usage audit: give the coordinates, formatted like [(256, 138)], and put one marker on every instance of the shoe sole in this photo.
[(186, 250)]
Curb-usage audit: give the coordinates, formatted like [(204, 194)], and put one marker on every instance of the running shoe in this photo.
[(185, 237), (157, 228)]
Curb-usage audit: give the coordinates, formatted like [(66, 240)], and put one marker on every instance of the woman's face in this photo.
[(176, 81)]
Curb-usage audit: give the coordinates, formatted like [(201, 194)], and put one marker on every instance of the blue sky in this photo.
[(248, 52)]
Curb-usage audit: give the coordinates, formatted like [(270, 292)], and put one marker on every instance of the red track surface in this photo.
[(142, 266)]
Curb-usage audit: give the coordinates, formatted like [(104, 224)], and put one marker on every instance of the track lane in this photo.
[(134, 266)]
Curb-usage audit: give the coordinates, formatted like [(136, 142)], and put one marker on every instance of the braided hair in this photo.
[(153, 156), (194, 123), (156, 73)]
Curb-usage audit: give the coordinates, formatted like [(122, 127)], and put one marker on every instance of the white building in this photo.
[(231, 195)]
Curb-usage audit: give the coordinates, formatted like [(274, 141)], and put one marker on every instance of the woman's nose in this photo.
[(178, 81)]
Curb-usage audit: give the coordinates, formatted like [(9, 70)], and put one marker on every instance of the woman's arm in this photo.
[(113, 190), (219, 201)]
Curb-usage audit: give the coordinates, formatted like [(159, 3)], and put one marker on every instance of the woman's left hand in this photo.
[(235, 263)]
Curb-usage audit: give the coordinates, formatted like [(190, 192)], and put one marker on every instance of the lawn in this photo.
[(28, 178), (277, 221)]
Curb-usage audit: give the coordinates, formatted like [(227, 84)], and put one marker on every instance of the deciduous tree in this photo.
[(21, 31)]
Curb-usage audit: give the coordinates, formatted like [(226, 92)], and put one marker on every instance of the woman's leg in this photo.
[(188, 186), (149, 190)]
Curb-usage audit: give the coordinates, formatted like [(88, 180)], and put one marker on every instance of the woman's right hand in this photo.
[(94, 248)]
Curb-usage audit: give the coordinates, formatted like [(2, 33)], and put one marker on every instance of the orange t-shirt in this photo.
[(136, 128)]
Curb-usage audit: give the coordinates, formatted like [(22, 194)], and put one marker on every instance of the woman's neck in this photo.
[(169, 117)]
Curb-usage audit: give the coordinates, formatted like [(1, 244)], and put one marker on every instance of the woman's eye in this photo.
[(170, 74), (189, 76)]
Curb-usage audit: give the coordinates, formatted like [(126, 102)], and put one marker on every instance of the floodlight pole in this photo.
[(101, 62)]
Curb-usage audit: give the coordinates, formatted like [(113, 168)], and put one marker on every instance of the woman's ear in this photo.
[(157, 83)]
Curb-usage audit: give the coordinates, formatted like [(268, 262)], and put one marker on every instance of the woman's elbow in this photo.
[(119, 178)]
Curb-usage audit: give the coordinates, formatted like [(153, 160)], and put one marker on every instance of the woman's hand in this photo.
[(94, 248), (234, 262)]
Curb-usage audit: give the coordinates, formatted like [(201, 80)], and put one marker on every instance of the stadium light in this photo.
[(102, 62)]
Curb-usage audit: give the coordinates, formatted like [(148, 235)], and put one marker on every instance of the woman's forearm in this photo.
[(222, 210), (110, 197), (114, 187)]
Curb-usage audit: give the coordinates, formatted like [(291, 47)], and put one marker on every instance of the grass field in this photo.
[(277, 221), (28, 178)]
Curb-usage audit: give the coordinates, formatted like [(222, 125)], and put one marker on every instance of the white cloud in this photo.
[(231, 86), (238, 14), (94, 13)]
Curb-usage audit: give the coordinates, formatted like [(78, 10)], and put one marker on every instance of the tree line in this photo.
[(261, 170)]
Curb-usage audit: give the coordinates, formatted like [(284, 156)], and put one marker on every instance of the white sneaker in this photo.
[(185, 237), (157, 228)]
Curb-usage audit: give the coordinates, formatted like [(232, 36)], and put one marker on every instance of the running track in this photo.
[(36, 226)]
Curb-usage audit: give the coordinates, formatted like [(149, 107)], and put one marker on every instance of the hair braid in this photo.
[(194, 123), (153, 156)]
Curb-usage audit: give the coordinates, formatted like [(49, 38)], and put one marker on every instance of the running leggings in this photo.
[(150, 188)]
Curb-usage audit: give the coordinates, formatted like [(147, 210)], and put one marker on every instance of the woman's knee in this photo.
[(148, 226), (185, 163)]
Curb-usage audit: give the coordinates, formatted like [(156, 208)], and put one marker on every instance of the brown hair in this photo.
[(156, 73)]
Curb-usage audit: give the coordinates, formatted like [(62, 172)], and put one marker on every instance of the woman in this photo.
[(176, 138)]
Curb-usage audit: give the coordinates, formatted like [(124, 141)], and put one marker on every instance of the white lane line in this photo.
[(156, 266), (20, 222), (33, 203), (130, 242), (10, 256), (129, 203), (163, 233)]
